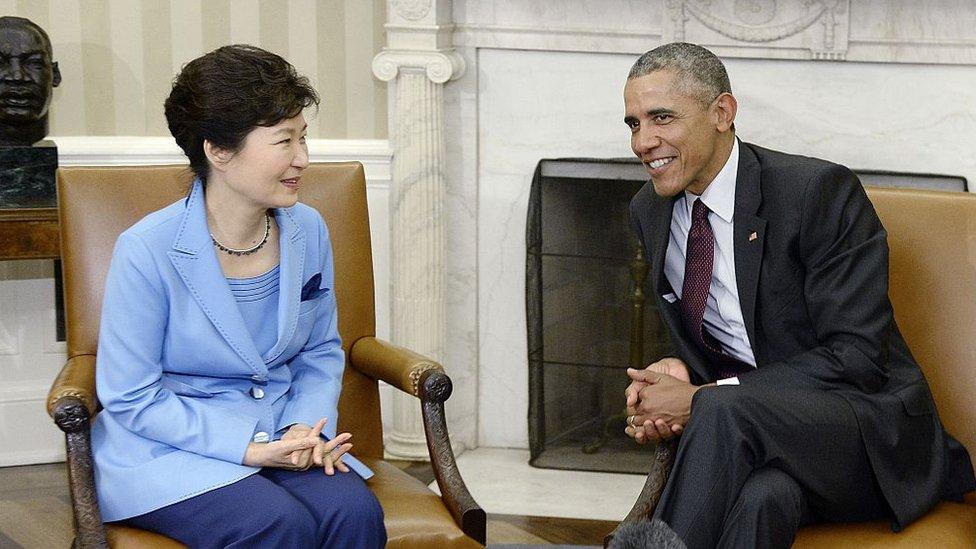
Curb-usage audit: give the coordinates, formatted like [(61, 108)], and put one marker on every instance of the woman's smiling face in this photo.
[(266, 171)]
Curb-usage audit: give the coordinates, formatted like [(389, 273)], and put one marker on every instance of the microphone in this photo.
[(653, 534)]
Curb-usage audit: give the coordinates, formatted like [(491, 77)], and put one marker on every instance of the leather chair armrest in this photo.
[(397, 366), (76, 380)]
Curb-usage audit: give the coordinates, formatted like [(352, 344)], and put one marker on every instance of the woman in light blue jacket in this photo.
[(219, 360)]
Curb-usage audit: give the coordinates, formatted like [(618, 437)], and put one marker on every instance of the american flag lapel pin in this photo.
[(753, 236)]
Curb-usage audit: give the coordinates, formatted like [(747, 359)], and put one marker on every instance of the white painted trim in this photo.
[(32, 457), (23, 392), (89, 150)]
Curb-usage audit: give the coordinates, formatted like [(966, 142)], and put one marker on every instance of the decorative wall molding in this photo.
[(541, 38), (375, 154), (440, 66), (796, 29), (894, 31), (414, 10)]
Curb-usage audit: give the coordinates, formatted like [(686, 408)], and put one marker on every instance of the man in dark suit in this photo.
[(795, 395)]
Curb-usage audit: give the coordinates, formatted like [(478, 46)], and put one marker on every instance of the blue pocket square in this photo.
[(311, 288)]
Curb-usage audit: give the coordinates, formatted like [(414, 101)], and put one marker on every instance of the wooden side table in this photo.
[(29, 233), (33, 233)]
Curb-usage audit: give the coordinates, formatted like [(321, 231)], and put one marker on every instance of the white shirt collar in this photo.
[(719, 196)]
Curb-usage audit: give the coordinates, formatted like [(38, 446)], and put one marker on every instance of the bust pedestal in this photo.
[(27, 176)]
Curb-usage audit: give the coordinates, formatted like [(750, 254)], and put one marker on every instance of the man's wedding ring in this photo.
[(630, 421)]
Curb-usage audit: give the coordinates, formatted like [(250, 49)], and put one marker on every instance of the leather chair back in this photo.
[(932, 285), (97, 204)]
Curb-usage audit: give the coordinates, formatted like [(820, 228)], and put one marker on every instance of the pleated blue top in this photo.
[(257, 299)]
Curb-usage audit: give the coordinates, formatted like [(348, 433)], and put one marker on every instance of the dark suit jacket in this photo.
[(813, 287)]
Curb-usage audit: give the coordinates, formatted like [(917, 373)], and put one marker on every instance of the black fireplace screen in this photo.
[(587, 316)]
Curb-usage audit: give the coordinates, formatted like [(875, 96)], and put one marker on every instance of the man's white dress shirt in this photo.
[(723, 314)]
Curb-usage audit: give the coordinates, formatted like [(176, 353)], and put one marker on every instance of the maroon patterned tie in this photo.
[(699, 258)]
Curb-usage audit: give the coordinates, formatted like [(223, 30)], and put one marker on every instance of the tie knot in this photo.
[(699, 211)]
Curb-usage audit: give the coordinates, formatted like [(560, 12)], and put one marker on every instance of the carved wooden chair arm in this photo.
[(650, 495), (71, 403), (435, 389), (424, 378)]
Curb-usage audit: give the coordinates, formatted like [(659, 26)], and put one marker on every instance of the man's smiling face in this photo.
[(676, 136)]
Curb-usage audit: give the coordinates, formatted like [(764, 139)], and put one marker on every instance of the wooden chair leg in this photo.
[(653, 487), (71, 416)]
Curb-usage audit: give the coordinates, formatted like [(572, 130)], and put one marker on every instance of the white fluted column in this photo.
[(419, 66)]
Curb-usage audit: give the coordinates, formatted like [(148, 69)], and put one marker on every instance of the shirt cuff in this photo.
[(728, 381)]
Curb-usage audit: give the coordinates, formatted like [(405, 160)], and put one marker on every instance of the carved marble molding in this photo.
[(889, 31), (440, 66), (813, 29), (413, 10)]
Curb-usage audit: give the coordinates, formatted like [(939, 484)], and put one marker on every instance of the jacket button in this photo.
[(259, 380), (261, 436), (257, 392)]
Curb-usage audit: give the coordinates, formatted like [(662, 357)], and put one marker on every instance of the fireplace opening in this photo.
[(589, 315)]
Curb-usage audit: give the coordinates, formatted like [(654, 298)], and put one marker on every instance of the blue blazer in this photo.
[(182, 385)]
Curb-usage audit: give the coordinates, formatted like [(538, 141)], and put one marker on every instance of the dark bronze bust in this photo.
[(27, 76)]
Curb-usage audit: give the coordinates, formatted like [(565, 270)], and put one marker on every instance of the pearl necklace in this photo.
[(246, 251)]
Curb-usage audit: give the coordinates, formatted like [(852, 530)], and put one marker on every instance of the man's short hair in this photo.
[(701, 73)]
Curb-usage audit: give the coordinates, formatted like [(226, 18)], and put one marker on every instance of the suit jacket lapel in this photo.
[(748, 235), (659, 219), (194, 259), (292, 245)]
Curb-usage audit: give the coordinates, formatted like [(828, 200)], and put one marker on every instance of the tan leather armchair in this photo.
[(932, 286), (96, 204)]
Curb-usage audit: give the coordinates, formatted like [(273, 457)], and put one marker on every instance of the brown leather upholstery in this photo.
[(948, 526), (124, 537), (397, 366), (97, 204), (932, 285), (415, 516)]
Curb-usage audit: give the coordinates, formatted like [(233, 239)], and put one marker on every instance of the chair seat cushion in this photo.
[(126, 537), (414, 516), (947, 526)]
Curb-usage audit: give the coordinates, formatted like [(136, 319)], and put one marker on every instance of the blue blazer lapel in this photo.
[(292, 245), (194, 259)]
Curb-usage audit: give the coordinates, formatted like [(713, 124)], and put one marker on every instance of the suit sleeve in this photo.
[(844, 250), (317, 369), (129, 372)]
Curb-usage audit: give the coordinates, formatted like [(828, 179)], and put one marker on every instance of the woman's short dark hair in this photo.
[(223, 95)]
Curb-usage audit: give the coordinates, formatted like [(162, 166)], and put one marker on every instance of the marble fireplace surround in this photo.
[(869, 84)]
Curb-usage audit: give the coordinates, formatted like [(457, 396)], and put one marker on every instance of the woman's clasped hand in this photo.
[(300, 449)]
